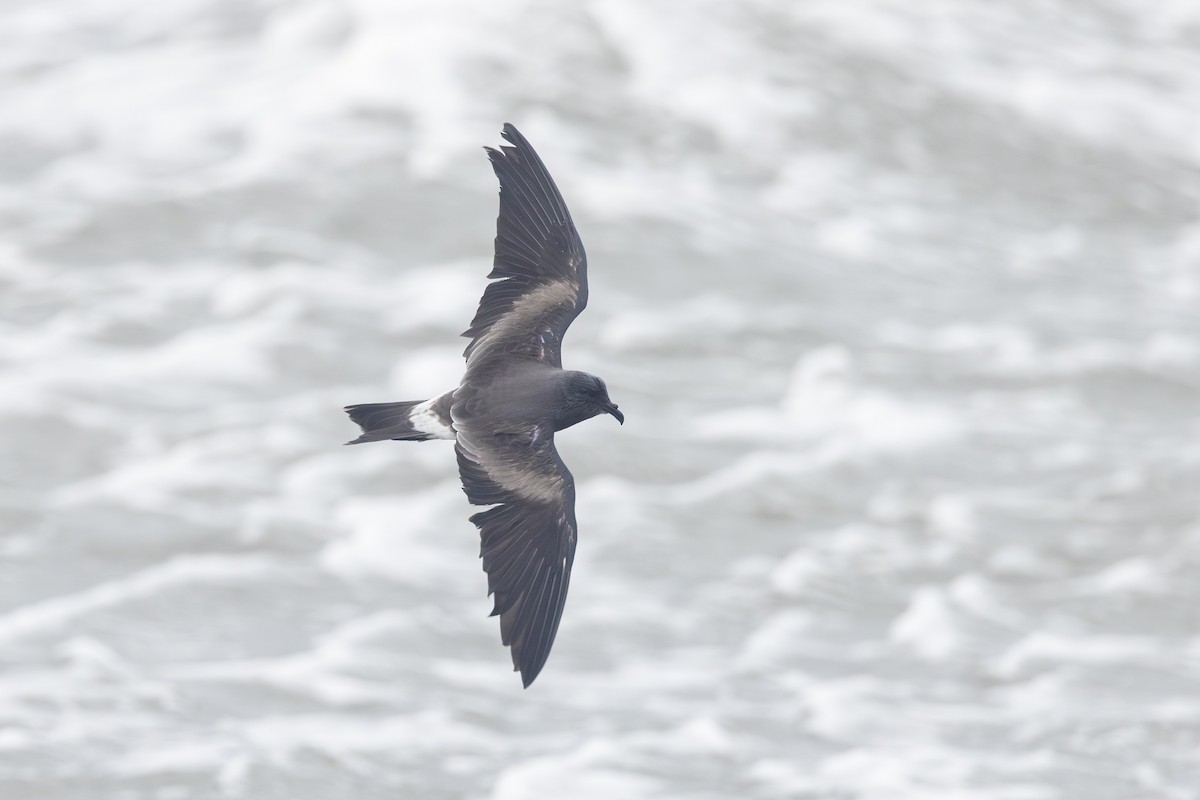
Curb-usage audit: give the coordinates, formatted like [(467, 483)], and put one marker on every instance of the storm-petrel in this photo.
[(512, 399)]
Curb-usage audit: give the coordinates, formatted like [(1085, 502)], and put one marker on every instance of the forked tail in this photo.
[(410, 421)]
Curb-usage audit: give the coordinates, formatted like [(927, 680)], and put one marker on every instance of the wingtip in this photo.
[(514, 137)]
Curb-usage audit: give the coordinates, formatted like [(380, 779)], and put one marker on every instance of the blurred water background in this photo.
[(900, 300)]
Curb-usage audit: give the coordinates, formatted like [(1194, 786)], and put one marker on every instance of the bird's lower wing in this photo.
[(527, 538)]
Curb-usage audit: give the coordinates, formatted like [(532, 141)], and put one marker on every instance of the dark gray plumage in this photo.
[(513, 398)]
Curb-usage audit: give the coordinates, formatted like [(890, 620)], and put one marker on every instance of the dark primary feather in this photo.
[(537, 246)]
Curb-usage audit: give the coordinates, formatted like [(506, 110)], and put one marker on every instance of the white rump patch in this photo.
[(424, 419)]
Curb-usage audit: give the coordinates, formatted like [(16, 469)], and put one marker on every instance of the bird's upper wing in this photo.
[(527, 539), (539, 259)]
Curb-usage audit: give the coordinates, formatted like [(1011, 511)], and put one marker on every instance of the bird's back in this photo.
[(525, 395)]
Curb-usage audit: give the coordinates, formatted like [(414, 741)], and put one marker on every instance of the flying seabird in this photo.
[(513, 397)]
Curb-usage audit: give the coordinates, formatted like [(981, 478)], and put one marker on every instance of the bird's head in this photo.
[(586, 397)]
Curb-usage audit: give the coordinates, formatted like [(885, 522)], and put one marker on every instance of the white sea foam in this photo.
[(1043, 647), (928, 626), (826, 410), (394, 536), (319, 672), (584, 773), (48, 615)]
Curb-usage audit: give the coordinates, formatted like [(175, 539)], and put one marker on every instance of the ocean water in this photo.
[(901, 301)]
